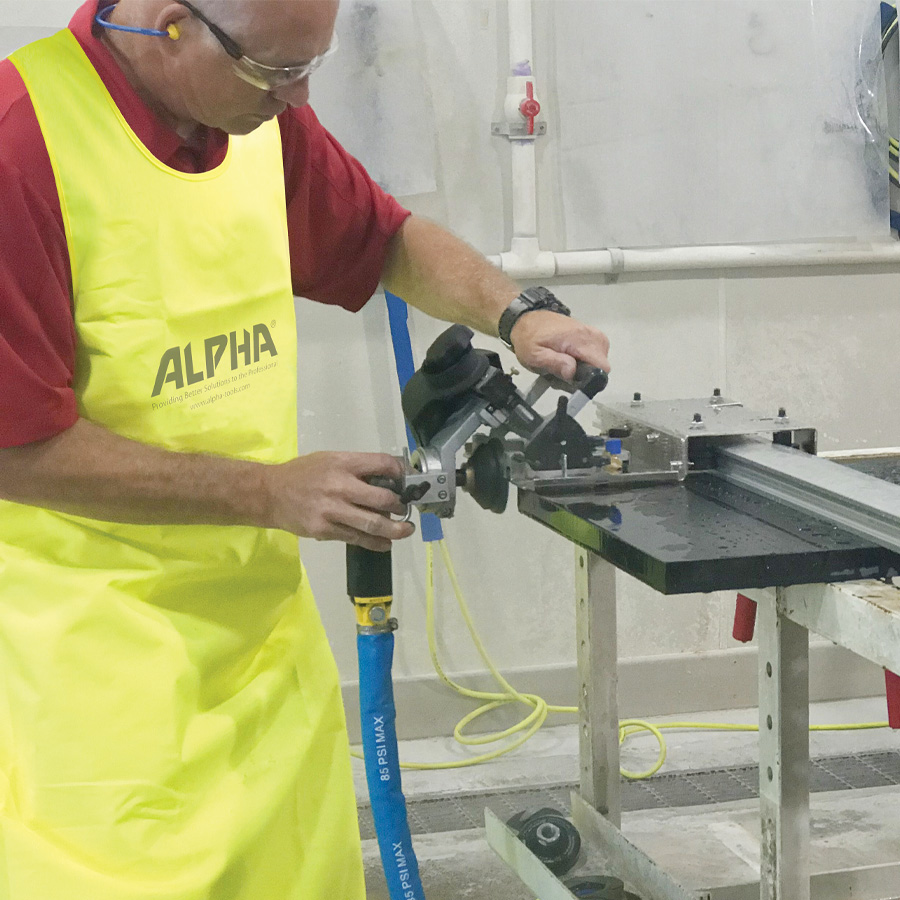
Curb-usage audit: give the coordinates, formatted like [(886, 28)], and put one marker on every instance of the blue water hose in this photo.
[(379, 737), (398, 319), (369, 576)]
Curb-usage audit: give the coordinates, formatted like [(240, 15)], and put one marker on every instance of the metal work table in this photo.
[(706, 534), (805, 574)]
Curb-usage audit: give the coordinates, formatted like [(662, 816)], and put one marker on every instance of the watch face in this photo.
[(541, 298), (538, 296)]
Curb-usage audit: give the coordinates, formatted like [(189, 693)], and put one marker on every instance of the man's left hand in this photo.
[(548, 342)]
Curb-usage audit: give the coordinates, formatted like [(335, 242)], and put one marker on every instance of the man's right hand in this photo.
[(327, 496), (89, 471)]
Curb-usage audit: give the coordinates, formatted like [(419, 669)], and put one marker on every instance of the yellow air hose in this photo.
[(539, 708)]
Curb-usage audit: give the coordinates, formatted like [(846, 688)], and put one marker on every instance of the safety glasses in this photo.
[(266, 78)]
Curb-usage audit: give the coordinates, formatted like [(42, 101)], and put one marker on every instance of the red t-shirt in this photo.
[(339, 226)]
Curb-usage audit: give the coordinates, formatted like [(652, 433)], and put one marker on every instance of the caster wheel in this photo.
[(550, 836)]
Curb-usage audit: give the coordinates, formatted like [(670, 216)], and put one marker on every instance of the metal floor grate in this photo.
[(430, 815)]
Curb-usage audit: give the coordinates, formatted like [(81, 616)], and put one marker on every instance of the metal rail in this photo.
[(865, 506)]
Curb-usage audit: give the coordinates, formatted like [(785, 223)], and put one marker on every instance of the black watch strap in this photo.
[(529, 300)]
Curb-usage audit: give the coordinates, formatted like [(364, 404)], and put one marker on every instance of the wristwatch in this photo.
[(529, 300)]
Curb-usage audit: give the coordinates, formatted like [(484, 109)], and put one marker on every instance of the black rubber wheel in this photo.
[(550, 836), (489, 483)]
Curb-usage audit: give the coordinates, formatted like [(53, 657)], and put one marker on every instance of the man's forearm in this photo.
[(88, 471), (446, 278), (91, 472)]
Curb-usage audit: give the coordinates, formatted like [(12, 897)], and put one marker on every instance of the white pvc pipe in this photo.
[(615, 261), (524, 170), (521, 43), (524, 189), (526, 260)]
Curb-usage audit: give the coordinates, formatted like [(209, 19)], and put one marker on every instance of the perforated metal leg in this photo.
[(595, 583), (783, 753)]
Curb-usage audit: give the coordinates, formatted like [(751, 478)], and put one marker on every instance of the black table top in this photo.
[(705, 534)]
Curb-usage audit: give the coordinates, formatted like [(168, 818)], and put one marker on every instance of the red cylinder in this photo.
[(744, 619), (892, 684)]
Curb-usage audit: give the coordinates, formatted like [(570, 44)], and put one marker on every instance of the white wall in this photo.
[(24, 22), (823, 344)]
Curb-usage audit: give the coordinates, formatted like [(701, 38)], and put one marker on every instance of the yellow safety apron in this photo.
[(170, 718)]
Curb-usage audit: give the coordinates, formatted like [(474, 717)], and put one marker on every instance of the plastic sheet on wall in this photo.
[(689, 122), (21, 23), (373, 96), (43, 13)]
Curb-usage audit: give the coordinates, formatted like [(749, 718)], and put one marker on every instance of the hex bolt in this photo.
[(717, 392), (781, 412), (698, 417), (547, 834), (637, 396)]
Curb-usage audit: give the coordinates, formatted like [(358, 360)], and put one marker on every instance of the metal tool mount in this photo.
[(460, 390), (680, 436), (462, 400)]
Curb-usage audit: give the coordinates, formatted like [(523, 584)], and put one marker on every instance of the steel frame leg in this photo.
[(595, 584), (783, 753)]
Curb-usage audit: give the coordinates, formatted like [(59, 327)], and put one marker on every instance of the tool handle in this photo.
[(587, 383), (369, 572), (589, 379)]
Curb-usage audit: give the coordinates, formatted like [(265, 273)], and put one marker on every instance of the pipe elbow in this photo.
[(526, 260)]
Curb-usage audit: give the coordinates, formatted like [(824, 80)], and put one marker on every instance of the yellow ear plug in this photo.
[(174, 32)]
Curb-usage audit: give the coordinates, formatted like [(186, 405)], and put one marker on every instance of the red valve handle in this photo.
[(892, 683), (744, 619), (529, 107)]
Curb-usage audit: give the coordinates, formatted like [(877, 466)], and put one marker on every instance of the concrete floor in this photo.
[(701, 846)]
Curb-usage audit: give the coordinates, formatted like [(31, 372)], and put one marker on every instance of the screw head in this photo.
[(547, 833), (781, 412), (698, 417), (717, 392), (637, 395)]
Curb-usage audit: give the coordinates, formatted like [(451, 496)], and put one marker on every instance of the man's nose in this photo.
[(294, 94)]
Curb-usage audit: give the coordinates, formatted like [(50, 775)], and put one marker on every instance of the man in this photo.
[(170, 724)]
